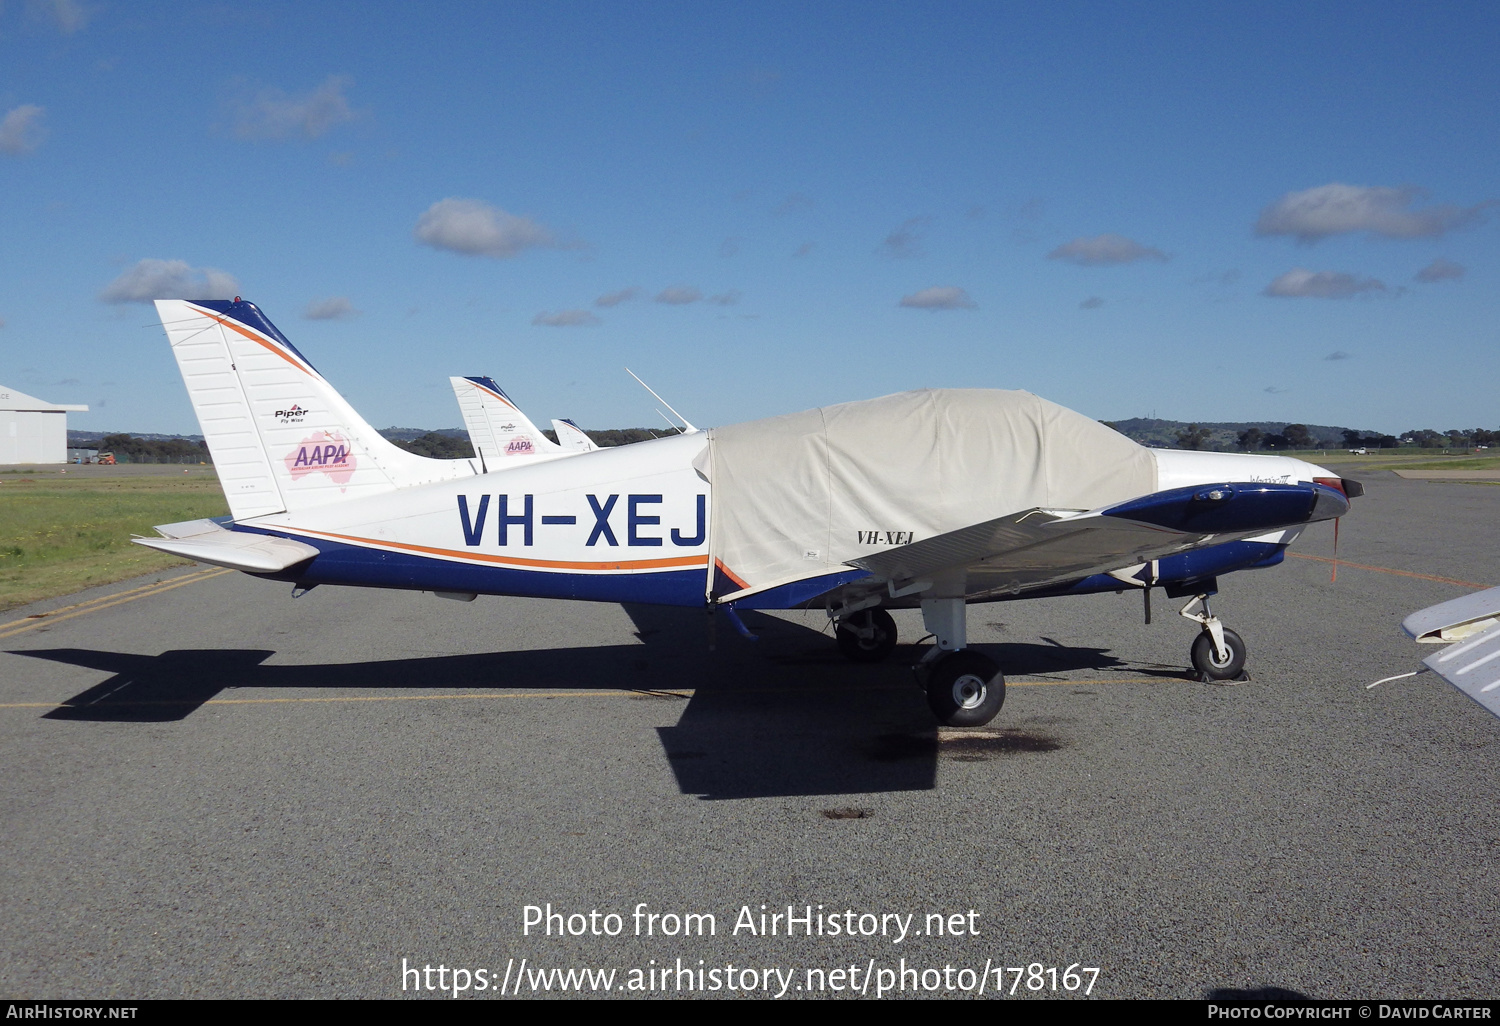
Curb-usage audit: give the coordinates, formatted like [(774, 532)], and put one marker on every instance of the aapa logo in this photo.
[(293, 415), (519, 447), (322, 453)]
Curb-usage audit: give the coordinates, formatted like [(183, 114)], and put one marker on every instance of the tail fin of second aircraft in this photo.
[(571, 437), (282, 438), (501, 433)]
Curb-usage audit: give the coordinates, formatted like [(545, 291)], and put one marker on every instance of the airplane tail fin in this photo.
[(501, 433), (281, 437), (571, 437)]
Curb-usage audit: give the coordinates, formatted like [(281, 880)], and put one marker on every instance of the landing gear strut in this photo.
[(1218, 653), (964, 688)]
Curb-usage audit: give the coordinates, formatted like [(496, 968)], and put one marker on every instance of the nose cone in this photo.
[(1329, 504)]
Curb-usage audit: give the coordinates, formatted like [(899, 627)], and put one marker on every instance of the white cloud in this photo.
[(169, 279), (475, 228), (1441, 270), (726, 299), (1104, 249), (1337, 209), (330, 309), (616, 298), (1300, 282), (272, 114), (20, 130), (939, 297), (566, 319), (679, 295), (68, 15), (1091, 303), (906, 239)]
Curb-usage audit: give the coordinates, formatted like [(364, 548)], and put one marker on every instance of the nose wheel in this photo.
[(1218, 653), (1226, 665)]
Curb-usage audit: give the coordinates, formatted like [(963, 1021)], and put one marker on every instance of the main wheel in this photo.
[(881, 641), (965, 689), (1207, 662)]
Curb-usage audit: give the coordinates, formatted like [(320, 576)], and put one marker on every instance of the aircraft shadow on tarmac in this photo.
[(785, 715)]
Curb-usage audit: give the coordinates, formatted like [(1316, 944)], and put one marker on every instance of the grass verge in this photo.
[(61, 533)]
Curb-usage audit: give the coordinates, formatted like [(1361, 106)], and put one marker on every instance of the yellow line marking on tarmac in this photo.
[(1388, 570), (21, 626)]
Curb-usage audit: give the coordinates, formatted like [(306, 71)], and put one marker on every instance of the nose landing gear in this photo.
[(1218, 653)]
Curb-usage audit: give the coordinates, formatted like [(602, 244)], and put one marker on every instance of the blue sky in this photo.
[(1214, 212)]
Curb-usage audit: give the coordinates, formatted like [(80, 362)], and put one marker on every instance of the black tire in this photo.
[(1206, 661), (965, 689), (872, 649)]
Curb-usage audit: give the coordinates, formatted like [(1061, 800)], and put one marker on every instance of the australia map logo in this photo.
[(322, 453)]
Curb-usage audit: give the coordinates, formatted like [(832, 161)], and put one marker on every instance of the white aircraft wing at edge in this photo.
[(1472, 662)]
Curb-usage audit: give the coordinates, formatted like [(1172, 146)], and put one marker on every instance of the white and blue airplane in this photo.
[(930, 499)]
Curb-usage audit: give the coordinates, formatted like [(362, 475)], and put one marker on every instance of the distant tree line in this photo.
[(132, 447), (1297, 436), (437, 446)]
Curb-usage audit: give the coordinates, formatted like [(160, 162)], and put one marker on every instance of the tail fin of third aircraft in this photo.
[(500, 432), (571, 437), (281, 437)]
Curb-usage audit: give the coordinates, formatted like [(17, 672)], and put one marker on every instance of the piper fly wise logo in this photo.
[(322, 453), (293, 415)]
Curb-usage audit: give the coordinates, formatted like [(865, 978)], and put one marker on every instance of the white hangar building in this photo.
[(32, 431)]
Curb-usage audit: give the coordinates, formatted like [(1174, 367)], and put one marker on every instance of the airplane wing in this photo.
[(1040, 547), (1472, 662)]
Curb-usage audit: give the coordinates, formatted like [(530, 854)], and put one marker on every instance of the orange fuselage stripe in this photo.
[(551, 564)]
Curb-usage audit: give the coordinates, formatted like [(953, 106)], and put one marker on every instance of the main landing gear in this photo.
[(964, 688), (1218, 653), (867, 636)]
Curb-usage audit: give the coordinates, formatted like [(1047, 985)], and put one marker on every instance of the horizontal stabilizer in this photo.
[(206, 542)]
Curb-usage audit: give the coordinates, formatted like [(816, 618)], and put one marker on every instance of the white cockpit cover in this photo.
[(798, 495)]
